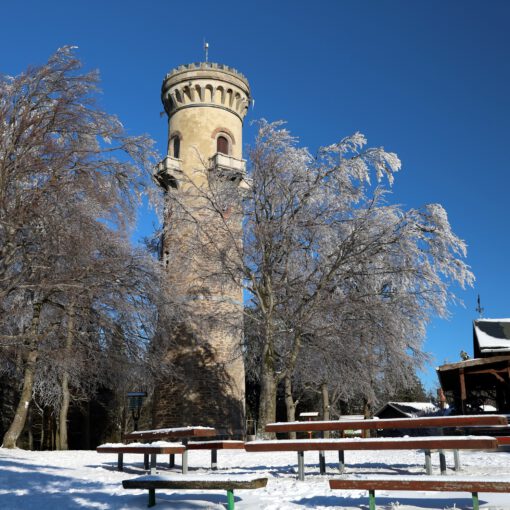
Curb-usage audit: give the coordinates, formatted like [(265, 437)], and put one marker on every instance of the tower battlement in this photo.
[(206, 84)]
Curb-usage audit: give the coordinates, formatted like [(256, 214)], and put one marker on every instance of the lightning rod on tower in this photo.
[(479, 308), (206, 49)]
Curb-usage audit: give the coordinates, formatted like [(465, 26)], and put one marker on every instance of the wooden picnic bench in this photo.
[(420, 483), (425, 422), (148, 450), (204, 482), (401, 443)]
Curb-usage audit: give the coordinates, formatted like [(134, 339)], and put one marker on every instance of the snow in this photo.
[(158, 444), (490, 343), (78, 480), (172, 430)]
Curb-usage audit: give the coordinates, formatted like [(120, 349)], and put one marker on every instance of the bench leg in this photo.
[(322, 463), (371, 500), (476, 505), (456, 459), (341, 461), (442, 462), (120, 462), (301, 465), (152, 497), (428, 462), (146, 461), (171, 460), (153, 463), (185, 462), (214, 460), (230, 500)]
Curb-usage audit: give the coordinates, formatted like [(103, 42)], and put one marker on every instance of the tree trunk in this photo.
[(268, 383), (66, 396), (18, 423), (290, 405), (326, 414), (20, 416), (267, 407)]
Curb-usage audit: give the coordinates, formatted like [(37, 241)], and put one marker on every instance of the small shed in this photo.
[(406, 410)]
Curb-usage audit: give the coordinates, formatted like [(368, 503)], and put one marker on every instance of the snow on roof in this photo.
[(493, 335), (411, 409)]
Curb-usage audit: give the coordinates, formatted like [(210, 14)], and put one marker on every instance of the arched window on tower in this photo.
[(176, 147), (222, 145)]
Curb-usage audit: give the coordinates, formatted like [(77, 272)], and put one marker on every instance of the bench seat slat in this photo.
[(216, 445), (421, 483), (217, 483)]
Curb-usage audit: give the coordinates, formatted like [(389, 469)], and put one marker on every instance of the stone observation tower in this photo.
[(203, 176)]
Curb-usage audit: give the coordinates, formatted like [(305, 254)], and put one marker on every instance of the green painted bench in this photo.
[(420, 483), (203, 482)]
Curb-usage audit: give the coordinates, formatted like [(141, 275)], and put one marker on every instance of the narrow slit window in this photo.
[(222, 145), (176, 147)]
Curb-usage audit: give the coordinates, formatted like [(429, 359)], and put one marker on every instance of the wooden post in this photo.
[(146, 461), (214, 460), (463, 394), (120, 462), (301, 465), (153, 463), (171, 460)]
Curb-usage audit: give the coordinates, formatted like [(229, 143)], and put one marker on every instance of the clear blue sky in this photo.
[(428, 80)]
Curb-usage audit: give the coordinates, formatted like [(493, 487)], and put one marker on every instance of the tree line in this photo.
[(341, 282)]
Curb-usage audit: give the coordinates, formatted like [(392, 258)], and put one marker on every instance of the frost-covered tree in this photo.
[(70, 180), (323, 246), (337, 276)]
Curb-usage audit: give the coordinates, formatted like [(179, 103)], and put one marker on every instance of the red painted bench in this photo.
[(420, 483)]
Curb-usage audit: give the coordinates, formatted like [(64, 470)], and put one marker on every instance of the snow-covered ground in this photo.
[(86, 479)]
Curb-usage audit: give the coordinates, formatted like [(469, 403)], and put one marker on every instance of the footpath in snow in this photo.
[(86, 479)]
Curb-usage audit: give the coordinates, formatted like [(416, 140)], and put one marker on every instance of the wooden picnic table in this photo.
[(391, 423)]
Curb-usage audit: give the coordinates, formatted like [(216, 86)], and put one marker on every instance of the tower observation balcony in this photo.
[(168, 173), (228, 168)]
